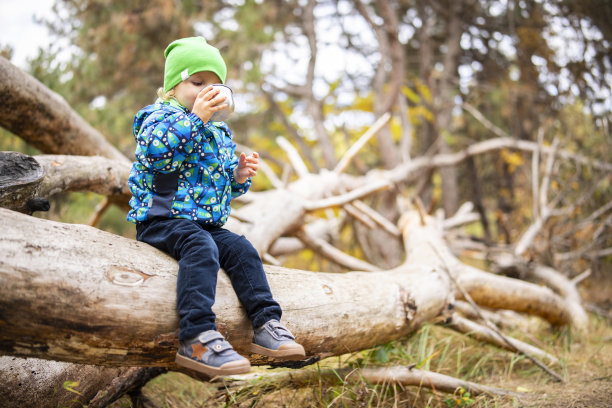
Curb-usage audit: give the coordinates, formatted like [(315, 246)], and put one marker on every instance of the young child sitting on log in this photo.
[(182, 182)]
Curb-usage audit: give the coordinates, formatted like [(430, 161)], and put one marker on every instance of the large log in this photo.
[(78, 294), (74, 293)]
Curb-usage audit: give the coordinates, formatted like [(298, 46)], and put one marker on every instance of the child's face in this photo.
[(186, 91)]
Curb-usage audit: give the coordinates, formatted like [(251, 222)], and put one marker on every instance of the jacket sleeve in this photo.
[(165, 139)]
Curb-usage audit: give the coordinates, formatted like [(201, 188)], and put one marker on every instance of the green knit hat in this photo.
[(187, 56)]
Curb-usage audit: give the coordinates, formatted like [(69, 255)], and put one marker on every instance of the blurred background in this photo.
[(318, 73)]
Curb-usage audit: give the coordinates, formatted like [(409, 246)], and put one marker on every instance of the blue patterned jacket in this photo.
[(184, 168)]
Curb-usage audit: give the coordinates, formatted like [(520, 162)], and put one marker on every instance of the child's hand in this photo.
[(247, 167), (207, 103)]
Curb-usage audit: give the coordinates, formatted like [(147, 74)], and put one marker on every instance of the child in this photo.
[(182, 182)]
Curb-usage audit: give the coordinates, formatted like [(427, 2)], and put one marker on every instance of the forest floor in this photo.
[(586, 366)]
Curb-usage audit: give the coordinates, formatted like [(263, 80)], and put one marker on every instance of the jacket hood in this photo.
[(143, 115)]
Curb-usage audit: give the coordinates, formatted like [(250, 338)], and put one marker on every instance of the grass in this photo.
[(585, 363)]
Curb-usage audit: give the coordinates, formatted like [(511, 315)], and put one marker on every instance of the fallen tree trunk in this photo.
[(111, 300), (75, 293)]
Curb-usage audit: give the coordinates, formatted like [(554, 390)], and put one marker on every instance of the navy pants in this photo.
[(200, 252)]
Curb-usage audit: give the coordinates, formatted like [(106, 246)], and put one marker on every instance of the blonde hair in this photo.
[(165, 96)]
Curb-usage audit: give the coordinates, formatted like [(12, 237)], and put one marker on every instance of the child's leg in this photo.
[(197, 256), (243, 266), (202, 349)]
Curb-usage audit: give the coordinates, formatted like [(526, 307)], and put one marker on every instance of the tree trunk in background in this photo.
[(426, 134), (476, 196), (444, 104)]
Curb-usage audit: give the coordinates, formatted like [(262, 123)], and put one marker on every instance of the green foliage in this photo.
[(10, 142), (460, 398), (70, 386)]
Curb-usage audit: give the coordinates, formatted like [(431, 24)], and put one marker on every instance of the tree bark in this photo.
[(444, 105), (20, 176)]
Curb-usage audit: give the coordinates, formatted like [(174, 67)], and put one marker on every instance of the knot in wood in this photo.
[(409, 304), (126, 277)]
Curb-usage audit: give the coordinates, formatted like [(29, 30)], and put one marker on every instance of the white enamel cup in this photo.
[(225, 113)]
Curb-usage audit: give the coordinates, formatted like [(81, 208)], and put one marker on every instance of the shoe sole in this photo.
[(292, 352), (231, 368)]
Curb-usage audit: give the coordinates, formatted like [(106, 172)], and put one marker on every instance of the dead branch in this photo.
[(486, 289), (543, 209), (398, 375), (99, 211), (501, 318), (322, 229), (359, 215), (377, 218), (510, 342), (129, 380), (333, 254), (294, 157), (530, 146), (44, 120), (486, 334), (429, 379), (340, 200), (48, 175), (356, 147), (551, 278), (463, 215)]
